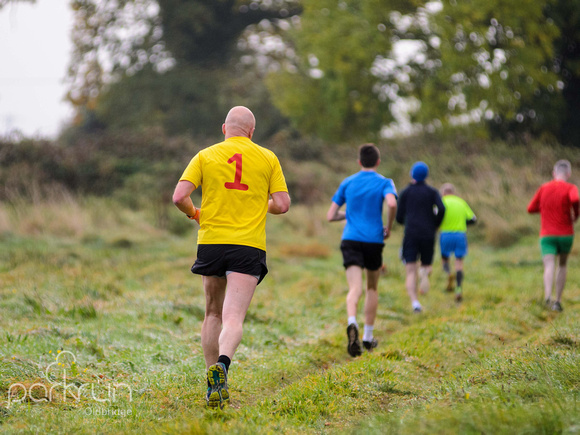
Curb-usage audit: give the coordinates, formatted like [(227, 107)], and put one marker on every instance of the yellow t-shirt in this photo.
[(237, 177)]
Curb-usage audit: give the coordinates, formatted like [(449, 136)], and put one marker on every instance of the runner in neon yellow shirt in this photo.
[(453, 239)]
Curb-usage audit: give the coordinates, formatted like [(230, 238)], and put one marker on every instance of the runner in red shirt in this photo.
[(558, 204)]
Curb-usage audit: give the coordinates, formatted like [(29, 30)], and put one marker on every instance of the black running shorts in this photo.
[(219, 260), (365, 255), (415, 248)]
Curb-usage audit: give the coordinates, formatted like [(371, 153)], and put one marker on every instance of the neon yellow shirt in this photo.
[(237, 177), (457, 213)]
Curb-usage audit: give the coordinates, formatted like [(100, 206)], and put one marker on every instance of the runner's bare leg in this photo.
[(354, 280), (215, 291), (239, 293), (561, 276), (549, 266), (411, 280), (424, 272), (372, 296)]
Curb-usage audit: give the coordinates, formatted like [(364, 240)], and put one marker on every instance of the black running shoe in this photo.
[(370, 345), (217, 392), (556, 306), (354, 347)]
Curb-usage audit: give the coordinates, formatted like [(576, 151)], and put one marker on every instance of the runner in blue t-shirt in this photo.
[(362, 239)]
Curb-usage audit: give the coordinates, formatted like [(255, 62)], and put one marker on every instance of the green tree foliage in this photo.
[(203, 32), (112, 39), (495, 61), (173, 63), (181, 100), (329, 88), (515, 66), (510, 67)]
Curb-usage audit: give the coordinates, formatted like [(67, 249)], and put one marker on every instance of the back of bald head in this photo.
[(447, 189), (240, 121)]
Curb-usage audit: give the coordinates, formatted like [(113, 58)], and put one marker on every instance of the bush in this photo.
[(140, 170), (90, 164)]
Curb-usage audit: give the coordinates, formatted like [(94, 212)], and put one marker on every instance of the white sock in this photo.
[(416, 304), (368, 334), (351, 320)]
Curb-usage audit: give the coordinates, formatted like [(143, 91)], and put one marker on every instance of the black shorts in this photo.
[(415, 248), (366, 255), (218, 260)]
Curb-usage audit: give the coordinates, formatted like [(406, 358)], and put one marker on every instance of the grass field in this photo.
[(113, 306)]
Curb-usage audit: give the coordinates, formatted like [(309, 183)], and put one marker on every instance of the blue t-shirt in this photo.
[(364, 193)]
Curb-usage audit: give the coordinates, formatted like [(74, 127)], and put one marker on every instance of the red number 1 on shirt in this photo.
[(237, 184)]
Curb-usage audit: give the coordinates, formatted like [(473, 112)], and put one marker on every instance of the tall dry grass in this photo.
[(53, 211), (56, 212)]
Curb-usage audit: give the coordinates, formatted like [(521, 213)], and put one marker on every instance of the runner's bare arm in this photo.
[(182, 199), (279, 203), (334, 214), (391, 213)]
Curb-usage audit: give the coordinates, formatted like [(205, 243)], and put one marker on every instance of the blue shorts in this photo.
[(453, 243)]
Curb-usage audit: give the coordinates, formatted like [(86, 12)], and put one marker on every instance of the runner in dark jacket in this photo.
[(421, 210)]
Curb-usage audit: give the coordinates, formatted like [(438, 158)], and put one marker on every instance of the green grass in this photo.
[(123, 301)]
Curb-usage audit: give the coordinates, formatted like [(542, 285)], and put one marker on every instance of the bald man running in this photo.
[(241, 183)]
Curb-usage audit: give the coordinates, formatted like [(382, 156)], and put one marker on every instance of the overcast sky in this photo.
[(35, 46)]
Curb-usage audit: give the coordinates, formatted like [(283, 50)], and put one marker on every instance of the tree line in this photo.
[(337, 69)]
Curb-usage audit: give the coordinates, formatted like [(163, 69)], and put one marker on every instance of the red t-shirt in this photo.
[(557, 202)]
